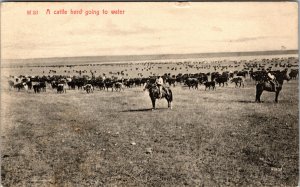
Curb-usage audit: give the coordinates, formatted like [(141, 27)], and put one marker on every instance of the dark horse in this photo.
[(154, 94), (265, 85)]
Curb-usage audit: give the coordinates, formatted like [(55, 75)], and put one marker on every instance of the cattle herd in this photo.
[(213, 75)]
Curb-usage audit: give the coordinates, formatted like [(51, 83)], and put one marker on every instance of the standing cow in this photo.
[(88, 88), (61, 88)]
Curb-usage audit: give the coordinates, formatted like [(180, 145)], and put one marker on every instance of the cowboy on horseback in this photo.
[(156, 88), (272, 80), (159, 83)]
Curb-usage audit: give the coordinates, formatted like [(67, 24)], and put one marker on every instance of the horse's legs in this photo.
[(276, 96), (169, 104), (258, 94), (153, 103)]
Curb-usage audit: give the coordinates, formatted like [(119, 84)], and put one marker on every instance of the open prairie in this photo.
[(210, 138)]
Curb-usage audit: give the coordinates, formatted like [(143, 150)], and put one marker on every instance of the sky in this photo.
[(146, 28)]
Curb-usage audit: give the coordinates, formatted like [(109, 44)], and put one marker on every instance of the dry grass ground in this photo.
[(210, 138)]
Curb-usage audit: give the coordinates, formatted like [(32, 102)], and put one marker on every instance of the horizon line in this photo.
[(295, 51)]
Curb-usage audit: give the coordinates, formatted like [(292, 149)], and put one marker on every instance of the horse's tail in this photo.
[(171, 95)]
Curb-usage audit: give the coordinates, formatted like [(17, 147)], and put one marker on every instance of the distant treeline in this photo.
[(122, 58)]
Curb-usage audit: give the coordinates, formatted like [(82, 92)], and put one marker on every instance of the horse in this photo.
[(154, 94), (265, 85)]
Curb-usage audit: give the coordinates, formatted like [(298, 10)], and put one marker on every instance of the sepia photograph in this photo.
[(149, 94)]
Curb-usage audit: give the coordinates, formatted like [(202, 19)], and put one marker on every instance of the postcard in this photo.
[(149, 94)]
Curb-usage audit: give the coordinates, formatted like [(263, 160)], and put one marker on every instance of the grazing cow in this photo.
[(36, 88), (209, 84), (222, 80), (118, 86), (42, 86), (202, 78), (137, 82), (242, 73), (79, 83), (71, 85), (171, 81), (238, 80), (293, 74), (11, 84), (39, 86), (61, 88), (88, 88), (29, 83), (128, 83), (100, 84), (192, 82), (20, 86), (54, 84), (109, 84)]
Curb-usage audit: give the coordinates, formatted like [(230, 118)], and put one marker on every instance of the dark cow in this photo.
[(202, 78), (192, 82), (71, 85), (128, 83), (222, 80), (100, 84), (54, 84), (36, 88), (43, 86), (88, 88), (239, 81), (118, 86), (293, 74), (210, 84), (171, 81), (21, 86), (242, 73), (29, 84), (61, 88), (11, 84)]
